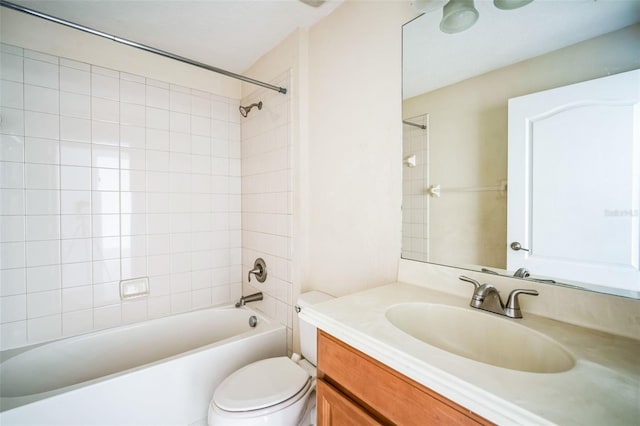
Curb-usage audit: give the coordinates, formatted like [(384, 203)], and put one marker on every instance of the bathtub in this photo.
[(158, 372)]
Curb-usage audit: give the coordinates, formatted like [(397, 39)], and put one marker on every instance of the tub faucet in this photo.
[(250, 298), (487, 298), (522, 273)]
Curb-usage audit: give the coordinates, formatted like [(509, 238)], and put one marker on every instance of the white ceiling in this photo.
[(228, 34), (433, 59)]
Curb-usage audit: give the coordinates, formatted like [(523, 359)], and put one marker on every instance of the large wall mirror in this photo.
[(496, 177)]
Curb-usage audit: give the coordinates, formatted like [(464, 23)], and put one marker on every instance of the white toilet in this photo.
[(274, 391)]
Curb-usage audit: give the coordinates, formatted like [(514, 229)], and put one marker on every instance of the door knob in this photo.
[(516, 246)]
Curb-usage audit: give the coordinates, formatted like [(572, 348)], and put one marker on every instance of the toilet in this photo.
[(273, 391)]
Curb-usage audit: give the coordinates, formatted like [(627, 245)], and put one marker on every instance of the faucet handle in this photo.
[(475, 283), (512, 309)]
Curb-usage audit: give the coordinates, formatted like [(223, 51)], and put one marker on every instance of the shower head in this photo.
[(244, 111)]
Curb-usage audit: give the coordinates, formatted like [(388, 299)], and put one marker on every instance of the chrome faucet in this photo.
[(522, 273), (487, 297), (250, 298)]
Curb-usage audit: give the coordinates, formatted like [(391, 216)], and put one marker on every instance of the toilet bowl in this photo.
[(275, 391)]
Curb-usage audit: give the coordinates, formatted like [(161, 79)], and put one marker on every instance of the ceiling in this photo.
[(433, 59), (228, 34)]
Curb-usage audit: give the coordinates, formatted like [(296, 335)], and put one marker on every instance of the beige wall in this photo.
[(355, 147), (468, 129)]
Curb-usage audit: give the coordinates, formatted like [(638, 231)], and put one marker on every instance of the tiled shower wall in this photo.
[(106, 176), (267, 205), (415, 181)]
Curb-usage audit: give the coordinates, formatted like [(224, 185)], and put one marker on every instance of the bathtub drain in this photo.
[(253, 321)]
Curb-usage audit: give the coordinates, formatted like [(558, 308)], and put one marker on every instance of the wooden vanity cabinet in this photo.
[(355, 389)]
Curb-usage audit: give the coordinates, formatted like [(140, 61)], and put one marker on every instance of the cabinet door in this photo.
[(335, 409)]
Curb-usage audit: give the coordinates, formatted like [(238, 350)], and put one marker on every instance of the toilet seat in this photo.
[(261, 385)]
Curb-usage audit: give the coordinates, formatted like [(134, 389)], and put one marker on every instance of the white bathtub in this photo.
[(158, 372)]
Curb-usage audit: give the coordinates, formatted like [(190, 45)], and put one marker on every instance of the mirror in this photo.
[(456, 92)]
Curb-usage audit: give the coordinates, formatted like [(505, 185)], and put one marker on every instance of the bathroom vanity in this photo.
[(355, 388), (377, 366)]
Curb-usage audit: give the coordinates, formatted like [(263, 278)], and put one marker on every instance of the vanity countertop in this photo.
[(602, 388)]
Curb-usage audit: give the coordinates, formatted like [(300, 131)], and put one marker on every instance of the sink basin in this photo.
[(481, 336)]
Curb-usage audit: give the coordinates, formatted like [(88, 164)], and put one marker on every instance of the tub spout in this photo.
[(250, 298)]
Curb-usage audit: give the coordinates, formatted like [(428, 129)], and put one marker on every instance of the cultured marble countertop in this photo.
[(603, 388)]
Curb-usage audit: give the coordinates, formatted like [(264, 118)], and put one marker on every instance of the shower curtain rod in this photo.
[(422, 126), (140, 46)]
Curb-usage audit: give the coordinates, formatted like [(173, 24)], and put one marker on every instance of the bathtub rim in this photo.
[(8, 403)]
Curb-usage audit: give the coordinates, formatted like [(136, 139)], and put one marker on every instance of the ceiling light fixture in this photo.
[(459, 15)]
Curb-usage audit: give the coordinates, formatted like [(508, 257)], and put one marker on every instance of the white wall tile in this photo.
[(75, 178), (157, 140), (75, 129), (43, 278), (42, 202), (43, 151), (44, 303), (75, 250), (75, 226), (12, 67), (13, 281), (157, 118), (11, 94), (75, 105), (157, 97), (106, 271), (105, 156), (106, 248), (11, 148), (75, 202), (133, 180), (75, 80), (131, 158), (131, 114), (132, 136), (39, 56), (13, 121), (104, 87), (44, 328), (77, 298), (39, 253), (42, 227), (105, 110), (132, 92), (133, 224), (41, 73), (13, 308), (105, 133), (77, 322), (134, 311), (42, 176), (179, 101), (107, 316), (106, 225), (11, 175), (106, 294), (134, 246), (41, 125), (41, 99), (77, 274), (105, 179)]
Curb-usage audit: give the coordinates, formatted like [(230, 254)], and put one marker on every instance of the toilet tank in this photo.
[(308, 332)]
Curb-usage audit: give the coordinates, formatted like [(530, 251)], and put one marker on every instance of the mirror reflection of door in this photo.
[(565, 151)]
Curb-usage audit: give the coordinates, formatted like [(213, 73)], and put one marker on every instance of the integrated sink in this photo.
[(481, 336)]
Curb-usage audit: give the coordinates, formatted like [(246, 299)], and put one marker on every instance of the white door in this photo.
[(574, 182)]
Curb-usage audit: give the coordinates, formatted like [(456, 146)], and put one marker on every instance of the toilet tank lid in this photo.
[(313, 297), (261, 384)]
